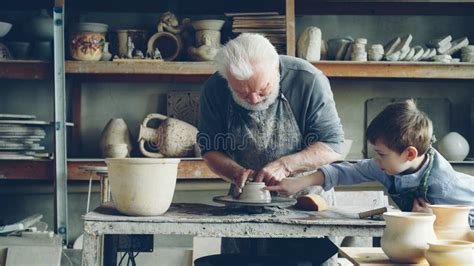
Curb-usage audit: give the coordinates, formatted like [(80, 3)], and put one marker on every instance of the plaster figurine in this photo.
[(131, 47)]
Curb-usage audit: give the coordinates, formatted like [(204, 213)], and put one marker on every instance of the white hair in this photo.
[(242, 55)]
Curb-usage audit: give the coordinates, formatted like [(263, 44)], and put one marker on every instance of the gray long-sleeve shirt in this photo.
[(307, 91), (445, 185)]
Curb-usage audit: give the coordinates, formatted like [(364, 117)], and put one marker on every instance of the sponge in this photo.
[(311, 202)]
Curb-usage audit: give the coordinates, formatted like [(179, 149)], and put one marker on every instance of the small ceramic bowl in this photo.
[(253, 192), (449, 252)]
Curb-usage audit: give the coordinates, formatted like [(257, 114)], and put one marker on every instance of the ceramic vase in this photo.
[(142, 186), (115, 132), (453, 147), (172, 138), (87, 41), (450, 252), (406, 235), (452, 222), (106, 55)]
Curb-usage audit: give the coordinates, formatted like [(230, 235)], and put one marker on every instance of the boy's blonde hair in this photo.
[(401, 125)]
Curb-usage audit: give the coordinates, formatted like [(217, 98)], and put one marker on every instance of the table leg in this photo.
[(90, 250), (333, 260)]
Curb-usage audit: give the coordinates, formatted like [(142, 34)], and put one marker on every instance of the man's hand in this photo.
[(287, 186), (240, 179), (421, 205), (272, 173)]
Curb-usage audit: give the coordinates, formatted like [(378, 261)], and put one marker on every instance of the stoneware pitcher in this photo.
[(172, 138), (406, 235), (452, 222)]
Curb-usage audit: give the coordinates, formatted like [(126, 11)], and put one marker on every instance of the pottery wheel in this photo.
[(276, 202)]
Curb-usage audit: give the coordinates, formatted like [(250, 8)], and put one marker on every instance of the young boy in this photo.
[(415, 174)]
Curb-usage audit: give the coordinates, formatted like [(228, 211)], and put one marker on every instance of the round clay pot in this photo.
[(406, 235), (87, 41), (452, 221), (254, 192), (453, 147), (142, 186), (450, 252)]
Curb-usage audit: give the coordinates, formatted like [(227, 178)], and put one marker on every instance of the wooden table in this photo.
[(214, 221), (370, 257)]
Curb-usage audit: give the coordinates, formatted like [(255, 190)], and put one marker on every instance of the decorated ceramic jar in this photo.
[(87, 41)]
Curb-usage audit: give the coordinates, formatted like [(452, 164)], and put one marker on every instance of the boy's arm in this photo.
[(348, 174), (290, 186)]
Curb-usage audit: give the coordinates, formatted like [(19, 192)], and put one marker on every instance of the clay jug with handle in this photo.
[(172, 138)]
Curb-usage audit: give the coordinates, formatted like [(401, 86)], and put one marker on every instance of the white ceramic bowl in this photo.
[(4, 28), (208, 24), (142, 186)]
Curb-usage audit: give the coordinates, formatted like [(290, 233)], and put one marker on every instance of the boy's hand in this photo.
[(287, 186), (421, 205)]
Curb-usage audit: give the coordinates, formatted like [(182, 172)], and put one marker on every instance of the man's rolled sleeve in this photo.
[(323, 123)]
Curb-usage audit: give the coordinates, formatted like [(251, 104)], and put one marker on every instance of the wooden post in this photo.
[(290, 27)]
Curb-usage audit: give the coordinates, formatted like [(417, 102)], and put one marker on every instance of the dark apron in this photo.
[(260, 138), (404, 200), (263, 136)]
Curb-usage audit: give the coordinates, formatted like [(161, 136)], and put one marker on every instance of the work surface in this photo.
[(218, 221)]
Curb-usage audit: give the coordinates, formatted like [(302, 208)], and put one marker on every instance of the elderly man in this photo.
[(264, 117)]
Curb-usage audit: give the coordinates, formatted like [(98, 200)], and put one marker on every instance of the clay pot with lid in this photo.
[(87, 41), (406, 235)]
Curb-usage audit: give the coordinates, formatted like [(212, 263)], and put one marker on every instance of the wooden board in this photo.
[(369, 257)]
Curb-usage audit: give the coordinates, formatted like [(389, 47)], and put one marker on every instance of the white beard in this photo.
[(263, 105)]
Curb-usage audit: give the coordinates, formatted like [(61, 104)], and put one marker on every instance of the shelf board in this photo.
[(417, 70), (180, 71), (200, 71), (188, 169), (385, 7), (26, 69)]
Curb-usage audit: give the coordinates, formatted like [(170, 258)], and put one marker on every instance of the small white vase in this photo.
[(406, 235), (453, 147), (106, 55)]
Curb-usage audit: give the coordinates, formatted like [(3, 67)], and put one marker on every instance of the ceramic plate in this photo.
[(276, 202), (24, 122), (15, 116)]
